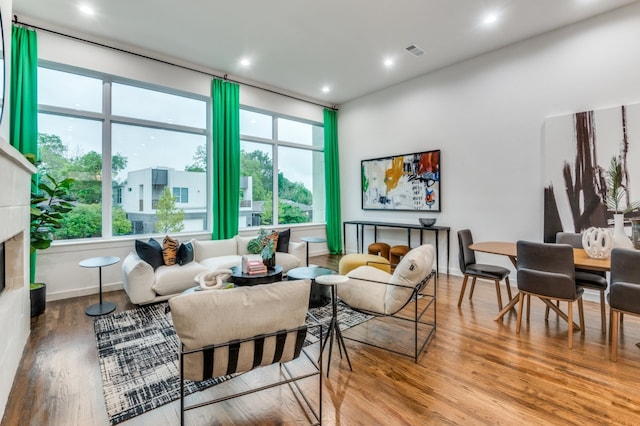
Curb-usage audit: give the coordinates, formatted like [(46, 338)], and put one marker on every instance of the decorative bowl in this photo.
[(427, 221)]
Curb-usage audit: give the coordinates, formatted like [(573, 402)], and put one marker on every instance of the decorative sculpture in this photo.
[(597, 242)]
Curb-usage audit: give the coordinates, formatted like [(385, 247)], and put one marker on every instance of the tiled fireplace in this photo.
[(15, 178)]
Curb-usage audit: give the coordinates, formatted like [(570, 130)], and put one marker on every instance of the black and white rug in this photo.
[(138, 357)]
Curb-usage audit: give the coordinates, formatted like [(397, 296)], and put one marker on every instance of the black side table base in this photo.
[(100, 309)]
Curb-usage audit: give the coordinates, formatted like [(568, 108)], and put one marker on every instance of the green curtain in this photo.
[(226, 158), (23, 101), (332, 182)]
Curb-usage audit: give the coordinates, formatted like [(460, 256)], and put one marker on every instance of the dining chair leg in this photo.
[(546, 313), (581, 314), (615, 323), (603, 312), (520, 309), (528, 307), (570, 316), (498, 294), (506, 280), (473, 287), (464, 287)]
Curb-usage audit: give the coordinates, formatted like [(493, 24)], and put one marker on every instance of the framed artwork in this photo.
[(408, 182)]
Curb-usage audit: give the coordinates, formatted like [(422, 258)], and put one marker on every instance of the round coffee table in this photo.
[(241, 279), (320, 295)]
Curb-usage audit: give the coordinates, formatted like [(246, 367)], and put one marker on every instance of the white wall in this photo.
[(487, 116), (58, 266)]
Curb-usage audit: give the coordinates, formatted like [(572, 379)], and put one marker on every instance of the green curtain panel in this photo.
[(332, 182), (226, 158), (23, 99)]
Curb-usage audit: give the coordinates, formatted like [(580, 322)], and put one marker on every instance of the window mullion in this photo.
[(107, 202)]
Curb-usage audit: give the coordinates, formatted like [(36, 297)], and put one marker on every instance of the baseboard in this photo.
[(61, 295)]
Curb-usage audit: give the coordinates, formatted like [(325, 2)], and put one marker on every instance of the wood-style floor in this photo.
[(475, 371)]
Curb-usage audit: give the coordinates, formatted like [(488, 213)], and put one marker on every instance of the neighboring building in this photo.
[(143, 188)]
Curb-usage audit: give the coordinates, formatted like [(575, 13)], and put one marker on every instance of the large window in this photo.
[(138, 153), (291, 150)]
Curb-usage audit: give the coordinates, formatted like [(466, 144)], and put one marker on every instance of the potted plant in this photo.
[(264, 246), (50, 201), (616, 191)]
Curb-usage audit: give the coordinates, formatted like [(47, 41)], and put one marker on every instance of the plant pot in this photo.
[(270, 262), (38, 292)]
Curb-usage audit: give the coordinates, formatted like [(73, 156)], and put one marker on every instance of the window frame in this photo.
[(275, 143), (108, 119)]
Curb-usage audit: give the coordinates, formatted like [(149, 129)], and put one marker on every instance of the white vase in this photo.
[(620, 239)]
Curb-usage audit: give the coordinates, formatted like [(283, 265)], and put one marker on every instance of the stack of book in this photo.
[(256, 267)]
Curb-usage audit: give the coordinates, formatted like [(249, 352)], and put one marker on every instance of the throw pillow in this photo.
[(283, 241), (150, 252), (273, 236), (169, 250), (185, 253)]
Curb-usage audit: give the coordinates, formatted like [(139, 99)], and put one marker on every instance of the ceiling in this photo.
[(299, 46)]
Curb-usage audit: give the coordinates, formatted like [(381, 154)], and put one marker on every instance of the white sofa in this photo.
[(144, 285)]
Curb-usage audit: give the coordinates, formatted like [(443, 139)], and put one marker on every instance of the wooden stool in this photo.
[(380, 249), (396, 253), (349, 262)]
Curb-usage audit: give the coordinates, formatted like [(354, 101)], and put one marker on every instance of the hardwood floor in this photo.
[(475, 371)]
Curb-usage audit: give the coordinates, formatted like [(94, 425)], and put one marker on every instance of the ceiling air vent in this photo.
[(414, 50)]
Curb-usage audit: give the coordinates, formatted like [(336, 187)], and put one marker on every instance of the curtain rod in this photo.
[(162, 61)]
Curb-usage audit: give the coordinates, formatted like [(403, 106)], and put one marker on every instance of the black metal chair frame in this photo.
[(289, 378), (417, 294)]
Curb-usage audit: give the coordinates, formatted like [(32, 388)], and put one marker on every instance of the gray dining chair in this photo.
[(469, 267), (594, 280), (547, 271), (624, 292)]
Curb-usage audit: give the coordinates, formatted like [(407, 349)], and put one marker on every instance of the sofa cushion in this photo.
[(221, 262), (214, 248), (185, 253), (413, 268), (361, 293), (150, 251), (170, 250), (287, 261), (175, 278), (243, 242), (283, 240)]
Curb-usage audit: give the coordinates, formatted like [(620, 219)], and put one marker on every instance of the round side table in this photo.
[(334, 328), (99, 262), (310, 240)]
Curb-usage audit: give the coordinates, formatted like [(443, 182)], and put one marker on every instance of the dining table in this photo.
[(508, 248)]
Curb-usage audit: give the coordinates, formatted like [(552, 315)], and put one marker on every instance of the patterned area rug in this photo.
[(137, 353)]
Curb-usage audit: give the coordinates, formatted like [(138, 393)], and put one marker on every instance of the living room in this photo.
[(486, 114)]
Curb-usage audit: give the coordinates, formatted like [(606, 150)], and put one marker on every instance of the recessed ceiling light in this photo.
[(490, 19), (388, 62), (245, 62), (326, 89), (86, 9)]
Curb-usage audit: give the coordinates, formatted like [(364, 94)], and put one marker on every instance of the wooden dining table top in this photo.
[(508, 248)]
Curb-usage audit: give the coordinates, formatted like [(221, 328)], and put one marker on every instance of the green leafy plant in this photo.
[(616, 190), (261, 245), (50, 200)]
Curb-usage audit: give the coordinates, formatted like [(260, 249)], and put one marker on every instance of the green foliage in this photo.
[(170, 218), (50, 202), (616, 190), (199, 161), (121, 225), (261, 245), (85, 222)]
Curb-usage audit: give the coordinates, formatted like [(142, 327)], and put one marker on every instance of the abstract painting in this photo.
[(402, 182), (578, 150)]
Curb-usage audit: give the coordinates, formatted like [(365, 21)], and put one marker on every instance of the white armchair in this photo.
[(235, 330), (382, 294)]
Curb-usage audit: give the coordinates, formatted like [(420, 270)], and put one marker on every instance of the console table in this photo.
[(360, 224)]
